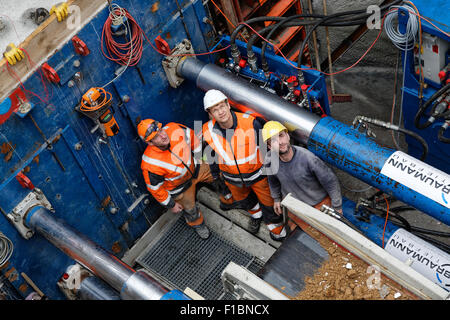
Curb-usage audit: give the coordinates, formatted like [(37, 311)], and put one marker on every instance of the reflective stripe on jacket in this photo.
[(243, 150), (168, 172)]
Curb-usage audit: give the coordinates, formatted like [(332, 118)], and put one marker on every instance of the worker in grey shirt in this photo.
[(296, 170)]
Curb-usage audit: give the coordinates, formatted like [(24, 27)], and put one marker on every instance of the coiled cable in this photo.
[(6, 249), (128, 53), (402, 41)]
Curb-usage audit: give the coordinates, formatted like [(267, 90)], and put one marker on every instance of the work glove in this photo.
[(13, 54), (61, 11)]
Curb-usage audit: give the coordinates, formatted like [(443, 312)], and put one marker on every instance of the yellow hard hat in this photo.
[(272, 128)]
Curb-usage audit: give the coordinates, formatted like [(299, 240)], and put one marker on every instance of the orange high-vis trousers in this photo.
[(187, 198)]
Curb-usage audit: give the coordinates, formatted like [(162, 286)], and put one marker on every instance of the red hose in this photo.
[(124, 53)]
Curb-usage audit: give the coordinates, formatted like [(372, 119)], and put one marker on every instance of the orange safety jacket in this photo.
[(240, 162), (168, 173)]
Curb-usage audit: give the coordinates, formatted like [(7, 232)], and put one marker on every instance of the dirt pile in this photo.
[(345, 277)]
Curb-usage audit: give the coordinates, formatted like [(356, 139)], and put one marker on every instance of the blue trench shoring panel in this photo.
[(439, 152), (97, 182)]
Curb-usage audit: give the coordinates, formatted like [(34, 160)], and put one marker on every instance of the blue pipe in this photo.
[(334, 142), (355, 153), (175, 295)]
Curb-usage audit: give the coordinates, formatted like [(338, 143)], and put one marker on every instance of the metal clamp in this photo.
[(362, 122), (330, 211), (70, 282), (18, 215), (170, 63)]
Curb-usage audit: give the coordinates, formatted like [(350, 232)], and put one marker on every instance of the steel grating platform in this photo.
[(182, 259)]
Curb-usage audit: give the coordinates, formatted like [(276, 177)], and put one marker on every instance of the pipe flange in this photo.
[(20, 212)]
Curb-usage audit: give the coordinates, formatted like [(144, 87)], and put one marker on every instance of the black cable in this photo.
[(403, 221), (413, 229), (389, 126), (443, 246), (308, 35), (402, 208), (236, 30), (277, 26), (424, 107), (338, 22), (441, 136), (418, 138), (441, 110), (423, 234), (285, 23), (237, 166), (432, 232), (184, 164), (251, 42)]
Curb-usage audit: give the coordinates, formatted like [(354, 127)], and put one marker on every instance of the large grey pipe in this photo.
[(131, 284), (93, 288), (248, 96)]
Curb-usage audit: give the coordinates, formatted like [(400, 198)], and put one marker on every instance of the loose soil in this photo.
[(345, 277)]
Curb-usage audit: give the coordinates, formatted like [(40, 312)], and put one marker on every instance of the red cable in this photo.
[(128, 53), (227, 19), (32, 64), (121, 51), (17, 78), (328, 74)]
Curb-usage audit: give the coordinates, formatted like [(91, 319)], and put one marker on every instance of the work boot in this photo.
[(227, 203), (253, 225), (283, 235), (202, 230)]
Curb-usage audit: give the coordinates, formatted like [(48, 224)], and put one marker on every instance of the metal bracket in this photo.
[(360, 124), (70, 282), (245, 285), (170, 63), (17, 217)]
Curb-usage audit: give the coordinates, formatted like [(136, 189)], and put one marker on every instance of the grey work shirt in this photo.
[(306, 176)]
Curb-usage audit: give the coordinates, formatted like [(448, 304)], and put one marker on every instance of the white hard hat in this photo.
[(213, 97)]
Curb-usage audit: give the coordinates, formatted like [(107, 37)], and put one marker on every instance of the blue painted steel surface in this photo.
[(354, 152), (371, 225), (316, 80), (175, 295), (98, 177), (436, 12), (439, 152)]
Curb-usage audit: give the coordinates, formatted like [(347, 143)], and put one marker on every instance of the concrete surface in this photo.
[(15, 19)]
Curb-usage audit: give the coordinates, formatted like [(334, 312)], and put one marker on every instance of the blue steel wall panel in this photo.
[(278, 64), (439, 153), (97, 170)]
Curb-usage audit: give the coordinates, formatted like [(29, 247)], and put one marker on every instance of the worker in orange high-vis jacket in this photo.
[(235, 155), (172, 168)]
